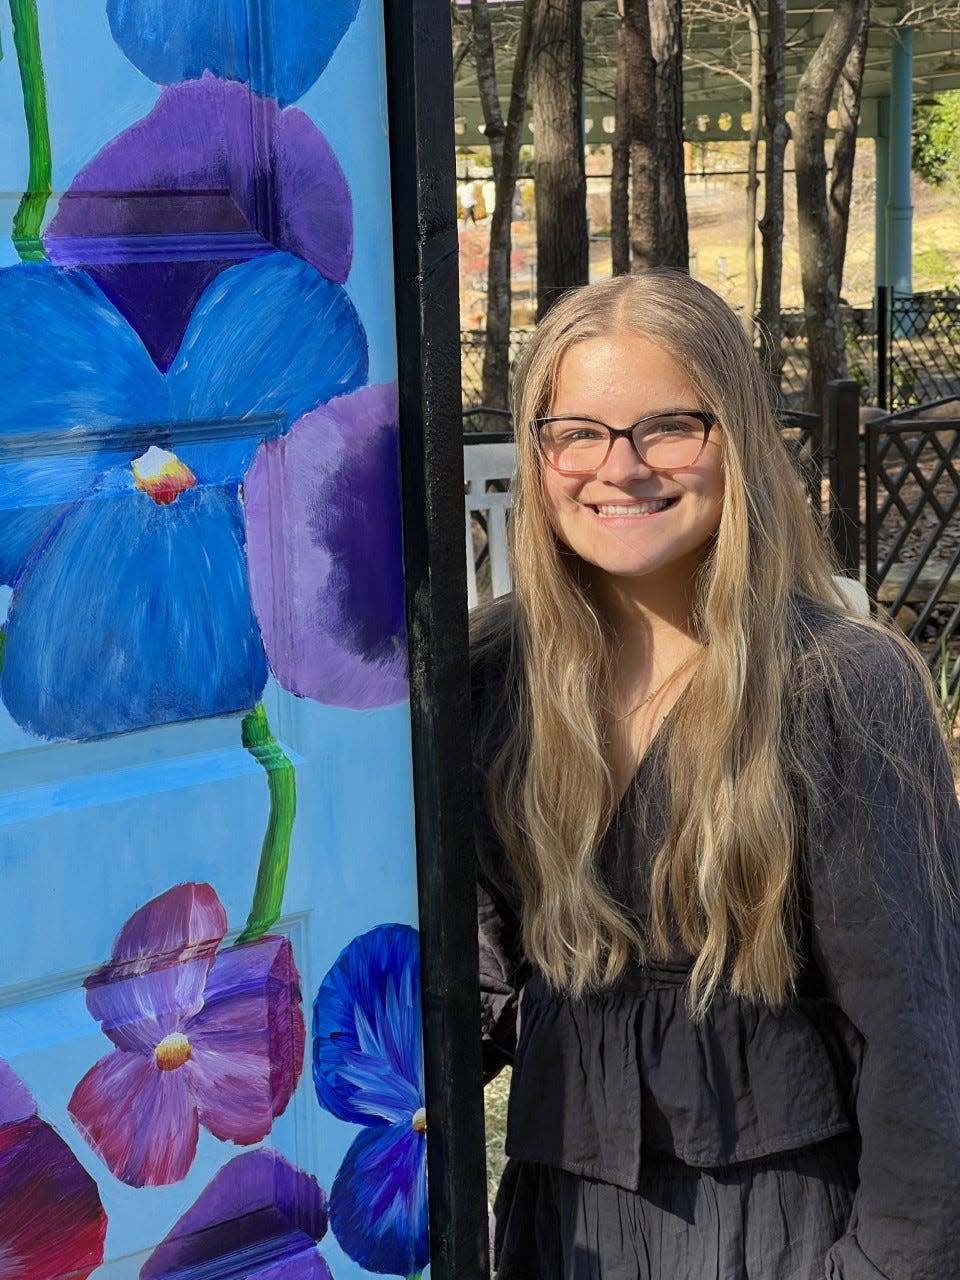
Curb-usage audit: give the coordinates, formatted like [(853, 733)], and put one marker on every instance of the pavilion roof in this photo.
[(717, 61)]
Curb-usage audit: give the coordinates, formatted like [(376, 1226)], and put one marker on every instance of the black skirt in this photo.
[(769, 1219)]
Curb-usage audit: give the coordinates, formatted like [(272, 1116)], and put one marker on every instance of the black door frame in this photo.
[(420, 109)]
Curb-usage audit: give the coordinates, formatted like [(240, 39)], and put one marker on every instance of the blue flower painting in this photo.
[(367, 1068), (122, 528), (279, 47)]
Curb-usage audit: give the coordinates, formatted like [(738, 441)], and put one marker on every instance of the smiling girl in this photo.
[(717, 836)]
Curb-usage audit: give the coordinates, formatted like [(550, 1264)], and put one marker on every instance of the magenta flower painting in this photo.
[(52, 1223), (260, 1218), (202, 1036)]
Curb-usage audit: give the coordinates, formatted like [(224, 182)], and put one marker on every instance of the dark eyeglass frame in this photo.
[(706, 419)]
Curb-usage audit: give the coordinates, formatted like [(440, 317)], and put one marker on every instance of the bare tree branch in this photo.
[(821, 288), (845, 143)]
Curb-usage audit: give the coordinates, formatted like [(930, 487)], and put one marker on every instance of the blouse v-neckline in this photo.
[(653, 748)]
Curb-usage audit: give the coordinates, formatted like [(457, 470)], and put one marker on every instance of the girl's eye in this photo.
[(580, 431), (675, 425)]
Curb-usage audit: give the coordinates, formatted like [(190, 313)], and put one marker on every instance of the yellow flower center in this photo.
[(172, 1051), (161, 475), (419, 1122)]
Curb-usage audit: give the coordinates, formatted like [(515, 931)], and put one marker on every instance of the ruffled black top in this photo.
[(870, 1044)]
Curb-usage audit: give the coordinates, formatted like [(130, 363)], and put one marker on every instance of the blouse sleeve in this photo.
[(888, 947), (503, 968), (502, 974)]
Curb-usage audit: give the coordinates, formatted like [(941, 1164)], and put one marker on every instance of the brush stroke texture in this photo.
[(279, 47), (325, 548), (214, 175)]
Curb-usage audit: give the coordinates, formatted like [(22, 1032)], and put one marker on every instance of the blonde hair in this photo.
[(725, 874)]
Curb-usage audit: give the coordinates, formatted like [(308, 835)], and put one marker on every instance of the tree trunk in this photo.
[(753, 182), (620, 167), (563, 253), (666, 45), (845, 144), (641, 74), (821, 288), (776, 131), (505, 140)]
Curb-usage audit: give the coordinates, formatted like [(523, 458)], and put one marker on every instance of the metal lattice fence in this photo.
[(918, 347), (471, 362), (860, 343), (912, 531)]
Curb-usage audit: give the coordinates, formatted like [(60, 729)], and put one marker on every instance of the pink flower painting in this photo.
[(52, 1223), (202, 1036)]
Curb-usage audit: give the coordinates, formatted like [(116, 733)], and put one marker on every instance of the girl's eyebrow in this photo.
[(654, 413)]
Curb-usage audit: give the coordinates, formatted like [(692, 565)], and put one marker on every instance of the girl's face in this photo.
[(629, 521)]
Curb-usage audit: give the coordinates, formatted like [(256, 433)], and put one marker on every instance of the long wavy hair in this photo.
[(725, 879)]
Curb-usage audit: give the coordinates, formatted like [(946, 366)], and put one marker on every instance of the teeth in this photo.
[(631, 509)]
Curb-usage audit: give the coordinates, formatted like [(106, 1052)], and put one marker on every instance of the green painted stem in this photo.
[(29, 216), (275, 854)]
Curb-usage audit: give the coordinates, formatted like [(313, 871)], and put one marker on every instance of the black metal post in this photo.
[(843, 458), (883, 345), (871, 466), (420, 104)]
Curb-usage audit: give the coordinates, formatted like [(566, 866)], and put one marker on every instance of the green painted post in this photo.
[(882, 197), (899, 206)]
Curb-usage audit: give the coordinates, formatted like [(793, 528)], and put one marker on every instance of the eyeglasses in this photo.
[(663, 441)]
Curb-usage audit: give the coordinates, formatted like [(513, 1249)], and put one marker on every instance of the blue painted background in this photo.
[(90, 831)]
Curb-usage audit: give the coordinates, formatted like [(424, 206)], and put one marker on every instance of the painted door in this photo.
[(210, 1046)]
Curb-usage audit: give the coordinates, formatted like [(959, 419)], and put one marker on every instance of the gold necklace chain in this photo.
[(659, 689)]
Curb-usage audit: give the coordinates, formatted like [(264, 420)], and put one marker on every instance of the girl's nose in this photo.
[(623, 462)]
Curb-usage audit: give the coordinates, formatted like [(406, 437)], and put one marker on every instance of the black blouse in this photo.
[(869, 1045)]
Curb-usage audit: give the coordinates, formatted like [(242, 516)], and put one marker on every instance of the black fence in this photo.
[(471, 363), (895, 514), (918, 347), (912, 530)]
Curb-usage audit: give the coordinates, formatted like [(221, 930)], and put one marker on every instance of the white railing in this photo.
[(485, 464)]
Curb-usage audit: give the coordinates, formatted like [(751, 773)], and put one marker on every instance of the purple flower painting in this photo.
[(213, 176), (260, 1218), (52, 1223), (325, 552), (367, 1068), (202, 1036)]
